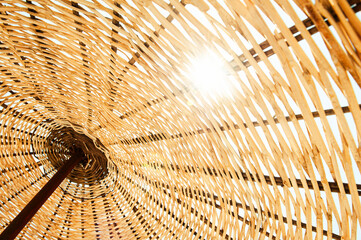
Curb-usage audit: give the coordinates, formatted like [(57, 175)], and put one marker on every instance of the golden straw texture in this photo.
[(275, 156)]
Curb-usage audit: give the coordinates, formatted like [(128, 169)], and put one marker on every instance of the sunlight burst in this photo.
[(209, 75)]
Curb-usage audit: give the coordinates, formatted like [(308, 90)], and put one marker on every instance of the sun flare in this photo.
[(209, 75)]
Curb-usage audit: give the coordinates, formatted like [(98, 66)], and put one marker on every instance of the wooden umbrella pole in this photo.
[(39, 199)]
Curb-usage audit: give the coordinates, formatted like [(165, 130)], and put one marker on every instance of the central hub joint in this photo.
[(93, 164)]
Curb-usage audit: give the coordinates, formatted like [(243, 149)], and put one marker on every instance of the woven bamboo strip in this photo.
[(276, 157)]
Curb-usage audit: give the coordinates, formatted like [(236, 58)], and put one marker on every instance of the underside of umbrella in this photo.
[(180, 119)]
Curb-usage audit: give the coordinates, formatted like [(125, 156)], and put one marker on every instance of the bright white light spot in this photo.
[(208, 75)]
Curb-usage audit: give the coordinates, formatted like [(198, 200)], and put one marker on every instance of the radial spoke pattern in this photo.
[(268, 149)]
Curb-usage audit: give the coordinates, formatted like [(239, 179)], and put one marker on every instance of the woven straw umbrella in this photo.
[(180, 119)]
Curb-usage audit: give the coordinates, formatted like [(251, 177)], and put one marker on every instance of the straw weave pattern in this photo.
[(276, 157)]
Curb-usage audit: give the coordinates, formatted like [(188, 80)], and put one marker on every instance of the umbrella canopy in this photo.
[(195, 119)]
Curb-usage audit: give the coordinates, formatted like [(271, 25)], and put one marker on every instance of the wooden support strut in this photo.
[(39, 199)]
